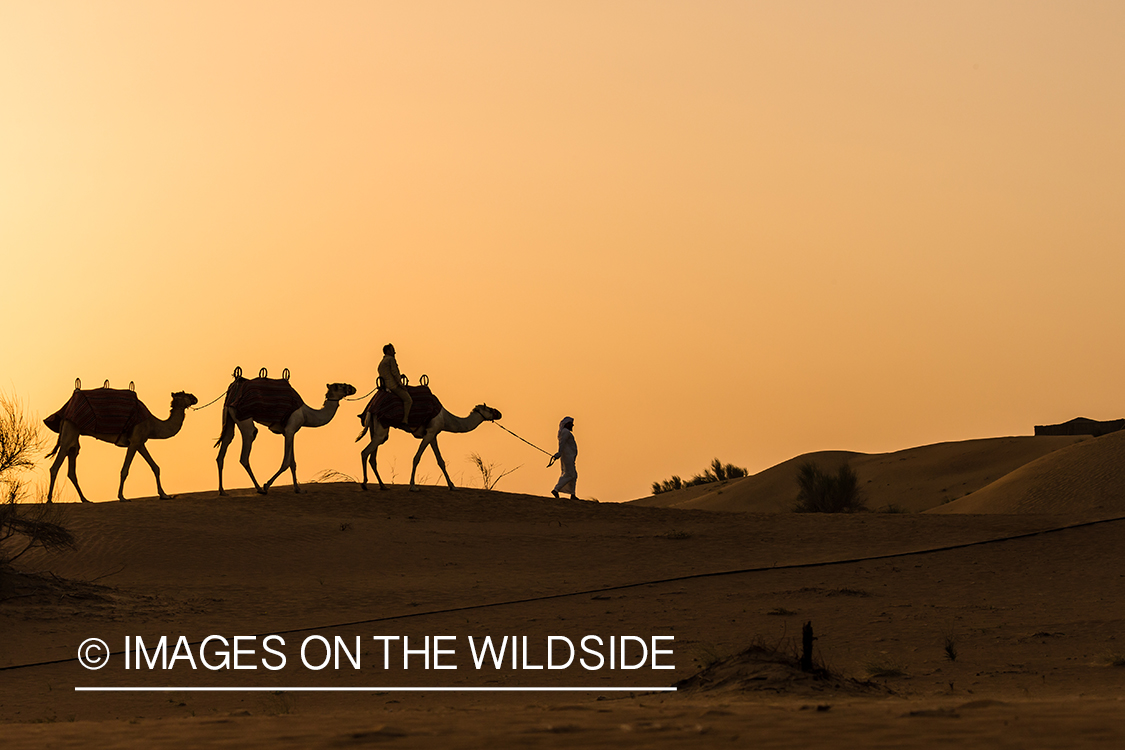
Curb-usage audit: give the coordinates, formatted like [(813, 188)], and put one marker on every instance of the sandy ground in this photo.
[(1031, 604), (911, 480)]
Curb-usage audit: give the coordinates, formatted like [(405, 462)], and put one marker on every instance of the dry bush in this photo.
[(23, 525), (490, 474), (716, 472), (331, 475), (821, 492)]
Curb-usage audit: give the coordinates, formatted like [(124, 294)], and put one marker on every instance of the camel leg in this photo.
[(143, 450), (60, 456), (426, 442), (225, 439), (72, 471), (293, 465), (249, 432), (129, 453), (441, 463), (65, 448), (364, 457), (379, 436), (287, 462)]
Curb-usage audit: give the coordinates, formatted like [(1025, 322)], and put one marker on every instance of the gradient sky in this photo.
[(743, 230)]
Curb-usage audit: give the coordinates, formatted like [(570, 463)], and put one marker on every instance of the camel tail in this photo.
[(55, 449), (226, 421), (365, 423)]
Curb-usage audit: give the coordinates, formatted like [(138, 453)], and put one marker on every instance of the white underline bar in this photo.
[(373, 689)]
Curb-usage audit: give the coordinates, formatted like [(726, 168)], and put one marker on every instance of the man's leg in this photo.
[(407, 402)]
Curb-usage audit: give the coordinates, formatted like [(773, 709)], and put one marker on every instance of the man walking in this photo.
[(568, 452)]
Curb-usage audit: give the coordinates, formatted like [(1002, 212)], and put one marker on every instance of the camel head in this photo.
[(487, 412), (183, 400), (337, 391)]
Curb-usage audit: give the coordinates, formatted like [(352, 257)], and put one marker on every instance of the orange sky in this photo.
[(744, 230)]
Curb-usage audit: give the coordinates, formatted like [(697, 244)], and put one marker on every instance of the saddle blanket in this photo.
[(267, 401), (387, 407), (101, 411)]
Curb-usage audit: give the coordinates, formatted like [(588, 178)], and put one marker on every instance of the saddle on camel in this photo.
[(387, 408), (267, 401), (101, 411)]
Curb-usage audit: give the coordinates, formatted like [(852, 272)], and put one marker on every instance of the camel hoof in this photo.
[(262, 490), (415, 489), (222, 493), (363, 486), (121, 499)]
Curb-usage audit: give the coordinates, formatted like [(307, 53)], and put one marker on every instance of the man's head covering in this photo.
[(566, 422)]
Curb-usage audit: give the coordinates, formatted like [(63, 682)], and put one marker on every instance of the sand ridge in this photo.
[(911, 480), (1035, 619), (1085, 478)]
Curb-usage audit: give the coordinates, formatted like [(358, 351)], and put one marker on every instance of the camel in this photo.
[(244, 406), (443, 421), (141, 427)]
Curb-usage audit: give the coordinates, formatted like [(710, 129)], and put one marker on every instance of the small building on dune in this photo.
[(1081, 426)]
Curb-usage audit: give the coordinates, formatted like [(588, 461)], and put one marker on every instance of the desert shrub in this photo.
[(490, 473), (331, 475), (22, 526), (716, 472), (822, 492), (950, 643)]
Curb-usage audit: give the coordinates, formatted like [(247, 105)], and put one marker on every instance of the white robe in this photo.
[(568, 454)]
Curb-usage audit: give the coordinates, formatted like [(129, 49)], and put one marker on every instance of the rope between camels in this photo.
[(533, 445), (200, 408), (360, 398)]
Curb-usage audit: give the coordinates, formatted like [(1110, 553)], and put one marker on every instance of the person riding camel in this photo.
[(392, 381)]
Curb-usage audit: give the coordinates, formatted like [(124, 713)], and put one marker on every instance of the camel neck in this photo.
[(322, 416), (463, 424), (169, 427)]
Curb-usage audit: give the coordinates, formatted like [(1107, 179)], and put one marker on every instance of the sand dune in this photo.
[(1034, 619), (910, 480), (1087, 478)]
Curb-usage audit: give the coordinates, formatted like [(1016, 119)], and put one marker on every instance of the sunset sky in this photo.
[(743, 230)]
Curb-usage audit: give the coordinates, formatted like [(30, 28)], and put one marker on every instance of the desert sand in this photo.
[(1029, 603), (912, 480)]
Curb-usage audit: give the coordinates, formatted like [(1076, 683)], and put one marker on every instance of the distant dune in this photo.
[(1085, 478), (914, 480)]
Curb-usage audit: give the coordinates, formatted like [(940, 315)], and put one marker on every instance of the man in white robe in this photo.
[(567, 455)]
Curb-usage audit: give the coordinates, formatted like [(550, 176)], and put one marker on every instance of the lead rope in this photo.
[(360, 398), (198, 408), (533, 445)]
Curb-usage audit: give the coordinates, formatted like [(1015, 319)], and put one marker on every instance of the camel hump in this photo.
[(268, 401), (387, 407), (101, 411)]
